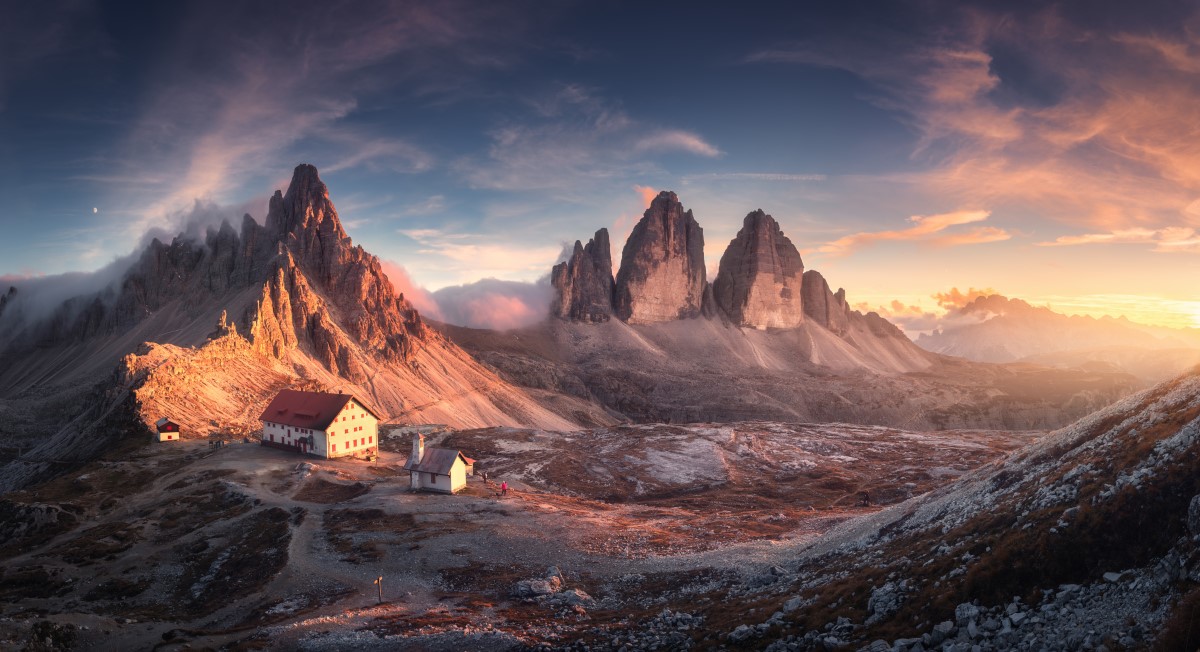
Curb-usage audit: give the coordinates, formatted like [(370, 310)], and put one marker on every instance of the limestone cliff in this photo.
[(822, 305), (662, 275), (759, 281), (583, 284)]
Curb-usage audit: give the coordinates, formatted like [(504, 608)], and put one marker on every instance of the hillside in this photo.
[(1087, 537), (207, 331), (742, 536), (703, 369), (182, 546)]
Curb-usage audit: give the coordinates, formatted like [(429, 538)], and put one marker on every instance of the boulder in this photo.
[(536, 588), (662, 276), (583, 284), (760, 279)]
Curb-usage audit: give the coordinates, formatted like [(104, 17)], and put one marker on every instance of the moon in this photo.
[(95, 210)]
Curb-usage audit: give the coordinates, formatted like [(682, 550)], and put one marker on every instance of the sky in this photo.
[(1045, 151)]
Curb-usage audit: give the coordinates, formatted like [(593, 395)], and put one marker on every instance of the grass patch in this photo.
[(345, 529), (1181, 632), (117, 589), (30, 582), (104, 541), (28, 527), (325, 492), (256, 551)]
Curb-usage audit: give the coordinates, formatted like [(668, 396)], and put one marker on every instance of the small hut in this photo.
[(442, 470), (168, 430)]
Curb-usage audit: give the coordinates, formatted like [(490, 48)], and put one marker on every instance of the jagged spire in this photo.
[(305, 207)]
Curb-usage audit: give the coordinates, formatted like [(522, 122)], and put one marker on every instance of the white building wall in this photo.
[(353, 430), (444, 483), (458, 476), (167, 436)]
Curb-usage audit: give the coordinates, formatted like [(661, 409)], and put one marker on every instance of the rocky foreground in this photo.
[(185, 545)]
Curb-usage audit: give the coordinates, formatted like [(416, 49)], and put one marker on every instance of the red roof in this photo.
[(314, 410)]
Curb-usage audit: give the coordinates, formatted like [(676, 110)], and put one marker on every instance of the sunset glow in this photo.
[(1047, 151)]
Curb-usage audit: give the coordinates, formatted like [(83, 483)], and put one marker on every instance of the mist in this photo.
[(495, 304), (39, 296), (488, 303)]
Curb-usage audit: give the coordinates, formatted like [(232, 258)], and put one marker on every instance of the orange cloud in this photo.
[(1103, 140), (1170, 239), (956, 298), (647, 194), (924, 227), (981, 235), (911, 319)]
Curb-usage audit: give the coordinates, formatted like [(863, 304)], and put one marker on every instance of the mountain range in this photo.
[(207, 328), (206, 331), (765, 339), (672, 444), (995, 328)]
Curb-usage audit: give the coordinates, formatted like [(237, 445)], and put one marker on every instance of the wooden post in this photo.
[(379, 583)]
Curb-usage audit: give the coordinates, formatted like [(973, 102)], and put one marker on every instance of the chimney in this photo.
[(418, 451)]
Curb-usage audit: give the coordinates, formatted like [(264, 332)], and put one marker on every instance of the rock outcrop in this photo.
[(297, 264), (760, 277), (823, 306), (662, 275), (584, 284), (315, 251)]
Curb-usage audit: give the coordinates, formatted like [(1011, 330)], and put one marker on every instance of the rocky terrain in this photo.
[(707, 536), (186, 545), (999, 329), (1087, 539), (771, 341), (207, 331), (709, 370)]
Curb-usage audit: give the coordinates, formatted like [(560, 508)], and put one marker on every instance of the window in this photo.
[(356, 442), (346, 431), (432, 478), (335, 448), (370, 440)]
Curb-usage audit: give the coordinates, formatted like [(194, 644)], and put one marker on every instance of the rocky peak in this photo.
[(304, 207), (584, 284), (662, 273), (760, 277), (305, 220), (822, 305)]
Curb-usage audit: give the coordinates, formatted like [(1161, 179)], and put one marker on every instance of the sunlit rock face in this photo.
[(760, 277), (317, 259), (823, 306), (662, 274), (584, 284)]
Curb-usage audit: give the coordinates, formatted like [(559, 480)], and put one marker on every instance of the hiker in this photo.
[(504, 488)]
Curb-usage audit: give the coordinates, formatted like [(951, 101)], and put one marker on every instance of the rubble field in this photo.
[(243, 546)]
